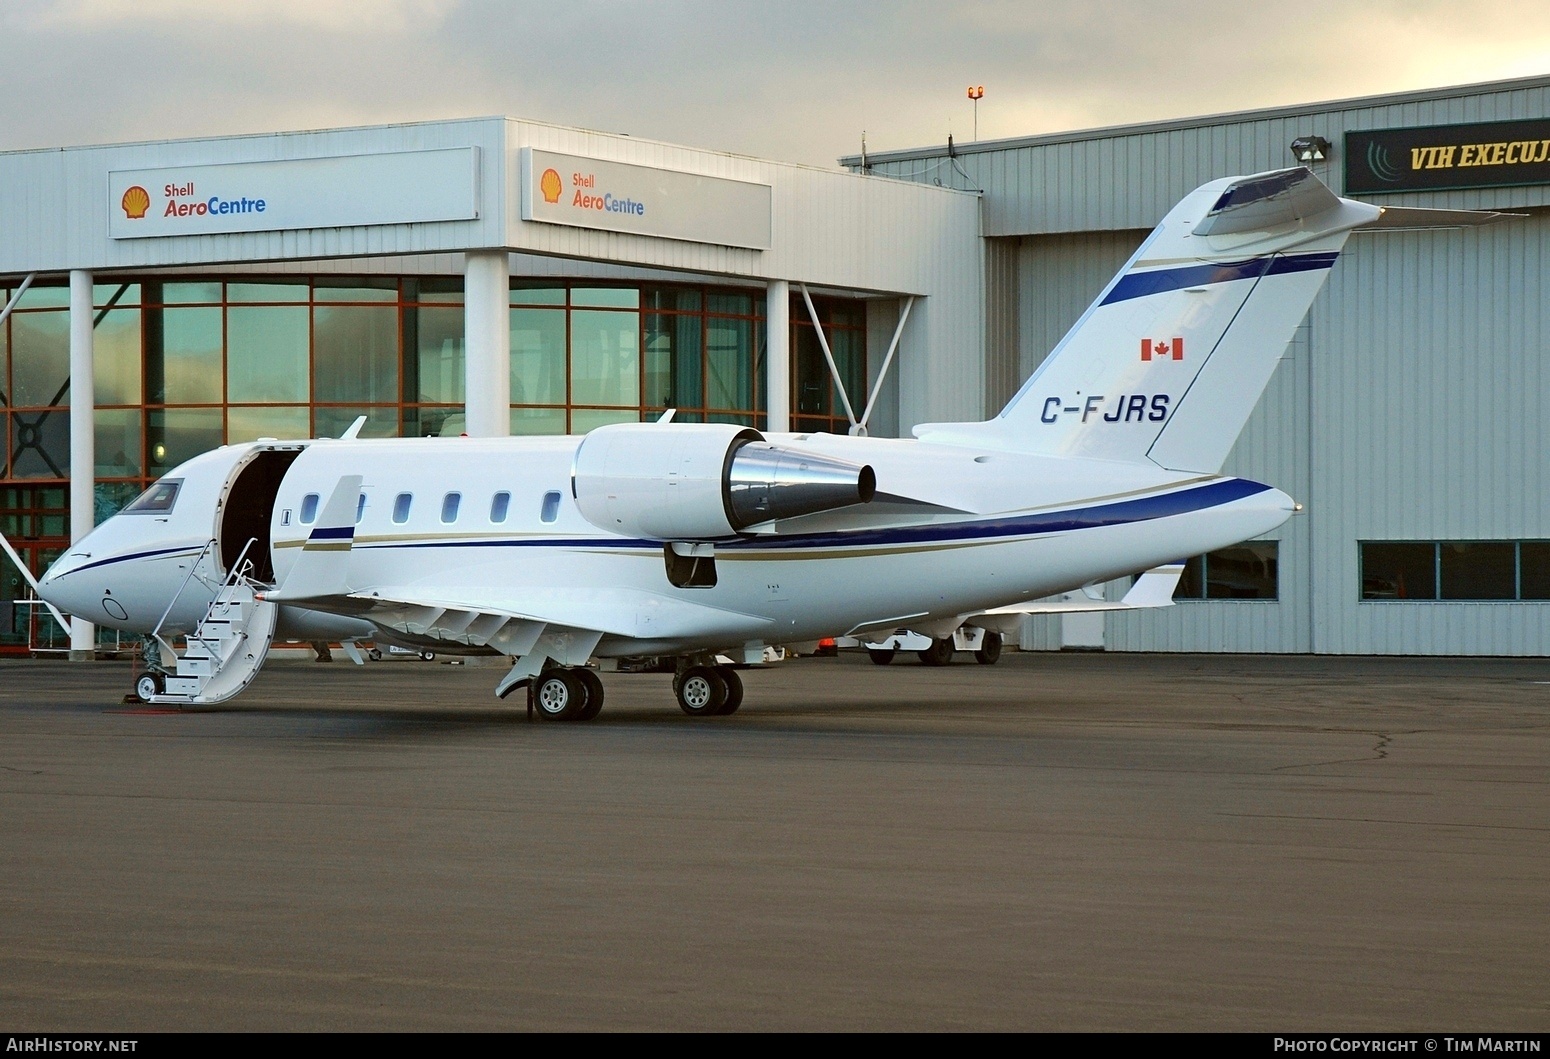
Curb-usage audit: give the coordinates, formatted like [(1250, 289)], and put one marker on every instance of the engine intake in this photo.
[(704, 481)]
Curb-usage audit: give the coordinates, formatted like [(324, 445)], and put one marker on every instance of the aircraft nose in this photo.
[(64, 585)]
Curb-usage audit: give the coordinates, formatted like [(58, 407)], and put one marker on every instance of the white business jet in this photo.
[(699, 540)]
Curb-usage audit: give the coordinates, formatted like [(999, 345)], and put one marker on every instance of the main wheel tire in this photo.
[(734, 685), (990, 649), (428, 656), (374, 654), (882, 656), (147, 686), (701, 691), (594, 686), (940, 653), (559, 695)]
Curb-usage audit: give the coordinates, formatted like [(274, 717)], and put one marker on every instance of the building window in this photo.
[(1245, 571), (816, 403), (1431, 571)]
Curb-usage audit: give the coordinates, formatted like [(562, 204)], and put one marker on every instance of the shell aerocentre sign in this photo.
[(643, 200), (404, 187)]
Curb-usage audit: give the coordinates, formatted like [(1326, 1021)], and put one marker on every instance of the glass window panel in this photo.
[(1246, 571), (537, 295), (605, 366), (1398, 570), (109, 498), (189, 293), (38, 296), (449, 506), (1534, 579), (5, 367), (671, 299), (585, 419), (381, 421), (356, 289), (40, 444), (619, 297), (551, 508), (439, 348), (729, 378), (40, 358), (116, 357), (849, 349), (537, 356), (1478, 570), (401, 505), (180, 434), (526, 422), (309, 509), (117, 436), (430, 422), (742, 419), (500, 504), (267, 291), (810, 376), (673, 362), (183, 355), (729, 303), (105, 294), (1192, 582), (355, 353), (266, 355), (436, 289), (286, 422)]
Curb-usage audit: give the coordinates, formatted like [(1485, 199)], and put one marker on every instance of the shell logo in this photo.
[(551, 186), (135, 202)]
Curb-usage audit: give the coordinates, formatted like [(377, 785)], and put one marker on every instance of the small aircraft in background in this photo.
[(693, 540)]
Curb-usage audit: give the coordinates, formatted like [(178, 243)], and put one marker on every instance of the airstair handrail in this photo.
[(192, 567)]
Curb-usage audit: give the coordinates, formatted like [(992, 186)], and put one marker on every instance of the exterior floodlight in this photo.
[(1309, 149)]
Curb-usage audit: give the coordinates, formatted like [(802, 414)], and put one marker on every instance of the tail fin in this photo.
[(1170, 360)]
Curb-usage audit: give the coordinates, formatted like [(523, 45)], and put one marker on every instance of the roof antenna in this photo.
[(950, 152), (863, 151)]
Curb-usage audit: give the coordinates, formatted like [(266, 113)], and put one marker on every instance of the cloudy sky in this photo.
[(797, 80)]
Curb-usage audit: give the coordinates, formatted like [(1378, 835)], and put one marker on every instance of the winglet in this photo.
[(324, 560), (354, 429), (1155, 587)]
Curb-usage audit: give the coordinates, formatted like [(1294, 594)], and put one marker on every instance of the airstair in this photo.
[(223, 653)]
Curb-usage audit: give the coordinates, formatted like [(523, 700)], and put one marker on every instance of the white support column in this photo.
[(487, 343), (83, 441), (777, 356)]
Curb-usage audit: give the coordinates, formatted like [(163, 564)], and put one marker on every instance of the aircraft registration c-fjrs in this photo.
[(699, 540)]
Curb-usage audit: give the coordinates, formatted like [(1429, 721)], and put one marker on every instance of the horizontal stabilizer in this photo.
[(1411, 218)]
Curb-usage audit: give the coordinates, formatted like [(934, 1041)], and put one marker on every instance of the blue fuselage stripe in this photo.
[(1096, 516)]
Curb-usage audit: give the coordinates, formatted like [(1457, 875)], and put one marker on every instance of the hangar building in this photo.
[(496, 276)]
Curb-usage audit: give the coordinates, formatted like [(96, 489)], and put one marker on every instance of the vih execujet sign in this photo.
[(642, 200), (403, 187), (1448, 157)]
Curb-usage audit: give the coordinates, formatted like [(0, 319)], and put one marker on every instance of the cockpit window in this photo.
[(158, 499)]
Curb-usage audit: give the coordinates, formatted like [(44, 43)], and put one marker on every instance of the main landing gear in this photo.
[(708, 691), (574, 694)]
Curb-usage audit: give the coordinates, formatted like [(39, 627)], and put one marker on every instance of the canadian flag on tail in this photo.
[(1162, 348)]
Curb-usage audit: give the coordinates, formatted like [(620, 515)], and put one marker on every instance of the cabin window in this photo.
[(401, 507), (449, 505), (498, 507), (360, 508), (551, 508), (309, 509)]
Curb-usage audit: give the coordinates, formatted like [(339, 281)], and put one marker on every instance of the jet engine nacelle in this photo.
[(704, 481)]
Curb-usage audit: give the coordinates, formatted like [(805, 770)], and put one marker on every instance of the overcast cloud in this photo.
[(798, 80)]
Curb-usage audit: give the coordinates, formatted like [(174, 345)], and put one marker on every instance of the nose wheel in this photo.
[(148, 686)]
